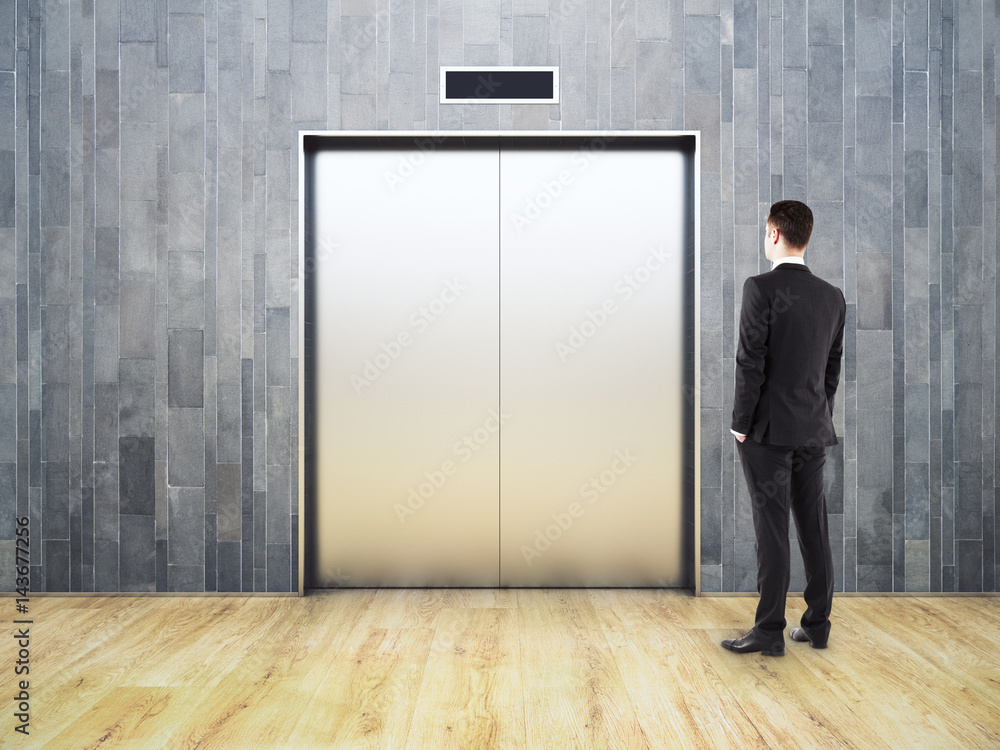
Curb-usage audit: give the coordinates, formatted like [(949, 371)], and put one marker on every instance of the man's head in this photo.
[(788, 227)]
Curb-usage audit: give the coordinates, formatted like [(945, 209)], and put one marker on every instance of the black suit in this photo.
[(787, 371)]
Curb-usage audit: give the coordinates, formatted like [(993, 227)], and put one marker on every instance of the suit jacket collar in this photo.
[(788, 260)]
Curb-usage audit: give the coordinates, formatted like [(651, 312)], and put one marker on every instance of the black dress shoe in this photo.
[(752, 642), (798, 634)]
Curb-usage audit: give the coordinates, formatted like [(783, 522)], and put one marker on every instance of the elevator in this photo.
[(497, 357)]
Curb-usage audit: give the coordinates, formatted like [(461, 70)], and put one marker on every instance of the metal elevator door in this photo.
[(497, 364)]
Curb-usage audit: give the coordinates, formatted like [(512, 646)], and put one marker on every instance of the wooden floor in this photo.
[(500, 668)]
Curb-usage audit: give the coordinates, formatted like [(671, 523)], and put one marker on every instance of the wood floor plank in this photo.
[(890, 666), (571, 681), (919, 625), (673, 688), (785, 702), (369, 692), (278, 675), (129, 717), (80, 660), (471, 693)]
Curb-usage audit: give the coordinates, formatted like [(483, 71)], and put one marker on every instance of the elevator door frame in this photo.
[(687, 142)]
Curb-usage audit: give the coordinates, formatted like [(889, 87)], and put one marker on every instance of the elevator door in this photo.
[(591, 367), (497, 364), (406, 368)]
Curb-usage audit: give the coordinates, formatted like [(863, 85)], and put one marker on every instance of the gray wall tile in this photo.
[(138, 21), (968, 343), (56, 553), (702, 54), (915, 35), (186, 308), (185, 578), (136, 489), (826, 83), (8, 418), (874, 291), (917, 502), (7, 188), (745, 35), (186, 367), (874, 215), (968, 172), (186, 211), (137, 327), (137, 88), (187, 53), (279, 418), (278, 352), (106, 262), (968, 266), (278, 567), (186, 542), (874, 449), (8, 24), (916, 189), (873, 134), (137, 554), (651, 59), (309, 20), (186, 448), (826, 163), (826, 23), (138, 161), (138, 238), (970, 565), (309, 82), (969, 421), (229, 503), (228, 566), (136, 394), (187, 133), (55, 499)]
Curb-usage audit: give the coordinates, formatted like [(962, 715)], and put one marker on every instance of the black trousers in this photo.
[(783, 479)]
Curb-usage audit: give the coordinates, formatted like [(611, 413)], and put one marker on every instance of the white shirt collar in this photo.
[(788, 259)]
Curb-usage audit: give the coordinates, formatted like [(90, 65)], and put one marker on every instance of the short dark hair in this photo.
[(794, 220)]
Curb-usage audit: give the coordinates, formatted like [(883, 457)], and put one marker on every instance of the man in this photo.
[(787, 371)]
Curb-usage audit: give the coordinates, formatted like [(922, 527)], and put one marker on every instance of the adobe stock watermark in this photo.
[(322, 249), (419, 320), (364, 37), (551, 190), (408, 165), (463, 449), (624, 289), (592, 490), (335, 578), (566, 9), (784, 300)]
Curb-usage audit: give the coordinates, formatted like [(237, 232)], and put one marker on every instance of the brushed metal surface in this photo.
[(591, 328), (406, 367)]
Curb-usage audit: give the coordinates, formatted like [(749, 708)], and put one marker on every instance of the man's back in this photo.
[(788, 360)]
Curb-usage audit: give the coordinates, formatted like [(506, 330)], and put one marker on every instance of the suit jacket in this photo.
[(788, 359)]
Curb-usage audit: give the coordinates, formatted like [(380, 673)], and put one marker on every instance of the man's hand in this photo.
[(741, 438)]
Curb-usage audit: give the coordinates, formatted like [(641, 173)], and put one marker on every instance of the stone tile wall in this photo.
[(148, 235)]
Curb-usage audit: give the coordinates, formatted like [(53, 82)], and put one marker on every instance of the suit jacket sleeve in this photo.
[(833, 362), (750, 355)]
